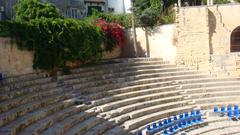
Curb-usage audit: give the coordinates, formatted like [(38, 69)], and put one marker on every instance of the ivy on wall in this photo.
[(56, 41)]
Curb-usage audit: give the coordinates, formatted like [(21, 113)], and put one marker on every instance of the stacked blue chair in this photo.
[(228, 111), (175, 123)]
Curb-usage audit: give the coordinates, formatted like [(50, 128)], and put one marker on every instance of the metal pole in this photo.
[(134, 30)]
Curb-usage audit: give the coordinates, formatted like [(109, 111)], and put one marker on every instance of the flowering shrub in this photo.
[(114, 34)]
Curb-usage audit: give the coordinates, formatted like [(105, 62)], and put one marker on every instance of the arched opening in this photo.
[(235, 40)]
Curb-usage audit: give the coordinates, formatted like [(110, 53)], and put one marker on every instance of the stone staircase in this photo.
[(117, 97)]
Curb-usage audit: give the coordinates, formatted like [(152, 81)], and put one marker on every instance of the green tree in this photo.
[(148, 11), (32, 9), (217, 1)]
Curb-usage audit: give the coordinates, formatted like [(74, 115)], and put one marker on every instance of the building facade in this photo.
[(77, 9)]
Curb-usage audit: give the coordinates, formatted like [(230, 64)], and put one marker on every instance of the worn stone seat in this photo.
[(116, 97)]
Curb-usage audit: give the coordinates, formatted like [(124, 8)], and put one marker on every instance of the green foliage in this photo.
[(32, 9), (221, 1), (148, 12), (169, 17), (56, 41), (217, 2)]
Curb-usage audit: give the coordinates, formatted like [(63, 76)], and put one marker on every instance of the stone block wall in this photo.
[(192, 37), (204, 38), (12, 60)]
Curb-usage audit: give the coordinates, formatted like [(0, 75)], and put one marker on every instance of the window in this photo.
[(235, 40), (110, 9), (73, 13)]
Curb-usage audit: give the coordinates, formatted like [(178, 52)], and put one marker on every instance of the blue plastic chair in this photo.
[(236, 107), (169, 120), (165, 132), (192, 113), (199, 119), (189, 122), (165, 122), (184, 123), (175, 118), (160, 124), (149, 128), (194, 120), (171, 129), (229, 113), (181, 116), (215, 110), (180, 125), (176, 127), (198, 112), (186, 115), (154, 126), (223, 109), (236, 113), (229, 108), (139, 132)]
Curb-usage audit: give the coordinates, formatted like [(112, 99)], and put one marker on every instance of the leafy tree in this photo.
[(32, 9), (217, 1), (148, 11), (221, 1)]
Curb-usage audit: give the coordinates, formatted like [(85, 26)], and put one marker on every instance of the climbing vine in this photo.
[(56, 41)]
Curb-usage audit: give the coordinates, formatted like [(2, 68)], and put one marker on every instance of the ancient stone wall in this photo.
[(203, 38), (12, 60), (192, 37)]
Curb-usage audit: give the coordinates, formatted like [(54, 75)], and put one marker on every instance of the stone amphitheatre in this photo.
[(125, 96)]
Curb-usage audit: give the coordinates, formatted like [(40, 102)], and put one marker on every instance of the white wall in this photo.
[(120, 6), (161, 41)]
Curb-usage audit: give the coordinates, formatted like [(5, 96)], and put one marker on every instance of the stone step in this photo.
[(134, 94), (105, 71), (138, 106), (208, 84), (146, 110), (214, 94), (209, 103), (124, 82), (216, 126), (116, 64), (5, 95), (118, 74), (11, 103), (103, 94), (19, 111), (138, 122), (125, 102), (25, 84), (207, 106), (205, 123), (107, 93), (100, 128), (84, 126), (210, 89), (63, 126), (21, 78), (105, 82), (20, 123), (42, 125)]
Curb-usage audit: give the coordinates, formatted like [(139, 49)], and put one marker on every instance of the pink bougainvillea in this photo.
[(113, 32)]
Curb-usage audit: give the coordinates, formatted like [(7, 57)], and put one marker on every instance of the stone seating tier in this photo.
[(118, 97)]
